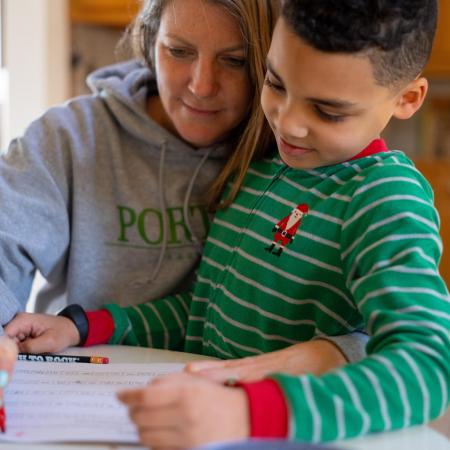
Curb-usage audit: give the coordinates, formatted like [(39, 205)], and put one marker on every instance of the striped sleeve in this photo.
[(157, 324), (390, 251)]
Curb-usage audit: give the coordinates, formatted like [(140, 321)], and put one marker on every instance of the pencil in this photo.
[(62, 358), (2, 419)]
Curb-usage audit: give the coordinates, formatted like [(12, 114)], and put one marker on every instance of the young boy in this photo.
[(357, 238)]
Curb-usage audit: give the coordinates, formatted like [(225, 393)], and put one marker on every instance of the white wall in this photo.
[(37, 67), (37, 56)]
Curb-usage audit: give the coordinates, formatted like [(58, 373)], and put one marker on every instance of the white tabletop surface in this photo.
[(415, 438)]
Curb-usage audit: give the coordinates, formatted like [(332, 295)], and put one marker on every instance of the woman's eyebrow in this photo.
[(183, 41)]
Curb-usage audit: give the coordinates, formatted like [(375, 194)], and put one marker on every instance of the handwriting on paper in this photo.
[(48, 402)]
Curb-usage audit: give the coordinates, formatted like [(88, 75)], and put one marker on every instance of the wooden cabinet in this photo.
[(438, 174), (115, 13), (439, 64)]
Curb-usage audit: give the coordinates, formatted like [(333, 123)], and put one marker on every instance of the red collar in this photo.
[(376, 146)]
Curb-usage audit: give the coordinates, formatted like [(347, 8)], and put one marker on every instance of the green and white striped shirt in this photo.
[(365, 255)]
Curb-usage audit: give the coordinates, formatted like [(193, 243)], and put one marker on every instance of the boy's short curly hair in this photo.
[(396, 35)]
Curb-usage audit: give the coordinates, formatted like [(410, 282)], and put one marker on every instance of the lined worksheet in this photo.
[(48, 402)]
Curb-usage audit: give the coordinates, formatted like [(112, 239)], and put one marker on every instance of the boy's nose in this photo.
[(291, 123), (203, 82)]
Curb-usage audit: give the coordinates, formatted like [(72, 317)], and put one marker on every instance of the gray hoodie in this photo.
[(92, 196)]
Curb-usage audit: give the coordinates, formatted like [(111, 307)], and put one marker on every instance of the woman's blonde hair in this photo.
[(256, 20)]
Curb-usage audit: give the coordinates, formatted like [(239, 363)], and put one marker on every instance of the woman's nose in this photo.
[(203, 82)]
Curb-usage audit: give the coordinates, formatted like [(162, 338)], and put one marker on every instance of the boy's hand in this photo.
[(182, 411), (42, 333), (315, 357)]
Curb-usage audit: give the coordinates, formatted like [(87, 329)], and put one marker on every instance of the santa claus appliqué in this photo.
[(286, 229)]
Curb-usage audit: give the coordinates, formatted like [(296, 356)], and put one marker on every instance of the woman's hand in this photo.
[(315, 357), (182, 411), (8, 357), (42, 333)]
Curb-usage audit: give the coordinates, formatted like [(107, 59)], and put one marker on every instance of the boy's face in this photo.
[(323, 108)]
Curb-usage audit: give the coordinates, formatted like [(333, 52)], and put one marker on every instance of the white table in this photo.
[(415, 438)]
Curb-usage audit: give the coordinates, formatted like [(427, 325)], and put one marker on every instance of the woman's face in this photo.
[(200, 65)]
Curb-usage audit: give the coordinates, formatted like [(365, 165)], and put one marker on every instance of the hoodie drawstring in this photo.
[(162, 205), (196, 240)]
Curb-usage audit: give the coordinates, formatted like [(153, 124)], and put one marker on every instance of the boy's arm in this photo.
[(404, 381), (157, 324), (392, 272)]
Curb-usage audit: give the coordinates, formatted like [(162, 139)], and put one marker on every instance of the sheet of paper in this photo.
[(48, 402)]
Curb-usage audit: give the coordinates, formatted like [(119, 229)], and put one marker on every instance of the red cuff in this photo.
[(101, 327), (268, 409)]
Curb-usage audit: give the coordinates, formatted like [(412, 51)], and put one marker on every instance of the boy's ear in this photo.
[(411, 98)]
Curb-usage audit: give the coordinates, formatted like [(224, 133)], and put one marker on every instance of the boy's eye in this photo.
[(270, 84), (329, 117)]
